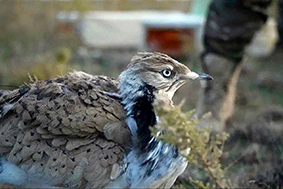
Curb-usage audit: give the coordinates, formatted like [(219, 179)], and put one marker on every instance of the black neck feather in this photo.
[(143, 113)]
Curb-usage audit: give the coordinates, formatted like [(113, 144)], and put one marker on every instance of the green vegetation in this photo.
[(197, 145)]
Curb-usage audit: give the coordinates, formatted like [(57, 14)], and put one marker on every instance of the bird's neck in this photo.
[(140, 113)]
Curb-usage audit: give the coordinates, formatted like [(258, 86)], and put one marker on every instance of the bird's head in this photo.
[(157, 71)]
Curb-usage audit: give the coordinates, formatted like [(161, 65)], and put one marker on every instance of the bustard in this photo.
[(92, 131)]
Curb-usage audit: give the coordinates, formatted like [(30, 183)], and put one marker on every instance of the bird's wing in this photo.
[(65, 130)]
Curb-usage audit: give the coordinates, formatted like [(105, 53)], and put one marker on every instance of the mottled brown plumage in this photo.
[(60, 126)]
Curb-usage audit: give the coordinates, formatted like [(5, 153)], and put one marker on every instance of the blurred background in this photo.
[(92, 35), (47, 38)]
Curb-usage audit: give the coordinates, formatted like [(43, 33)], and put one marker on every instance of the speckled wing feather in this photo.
[(65, 131)]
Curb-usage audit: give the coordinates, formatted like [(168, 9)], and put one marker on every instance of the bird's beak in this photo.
[(195, 75)]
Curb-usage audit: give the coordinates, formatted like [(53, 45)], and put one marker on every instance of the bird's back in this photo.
[(65, 131)]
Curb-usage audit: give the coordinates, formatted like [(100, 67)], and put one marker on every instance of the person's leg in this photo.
[(229, 28)]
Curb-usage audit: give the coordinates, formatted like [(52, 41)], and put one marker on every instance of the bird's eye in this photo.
[(166, 73)]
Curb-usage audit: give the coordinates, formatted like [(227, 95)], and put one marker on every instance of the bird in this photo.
[(87, 131)]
